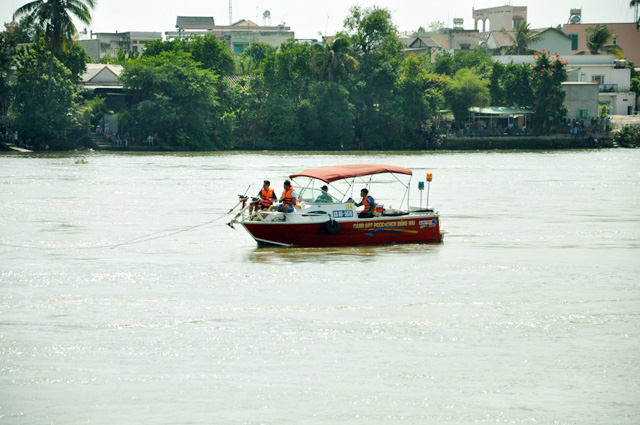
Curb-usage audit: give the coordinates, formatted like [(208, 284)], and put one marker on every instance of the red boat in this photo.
[(321, 219)]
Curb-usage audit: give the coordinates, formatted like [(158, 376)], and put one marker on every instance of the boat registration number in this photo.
[(342, 214)]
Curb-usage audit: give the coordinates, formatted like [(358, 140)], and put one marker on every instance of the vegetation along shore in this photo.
[(356, 91)]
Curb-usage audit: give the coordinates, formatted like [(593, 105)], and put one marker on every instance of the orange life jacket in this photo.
[(287, 195), (266, 197), (369, 203)]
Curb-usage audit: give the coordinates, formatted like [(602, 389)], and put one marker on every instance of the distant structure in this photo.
[(238, 36), (625, 35), (266, 18), (507, 17), (575, 16), (101, 44)]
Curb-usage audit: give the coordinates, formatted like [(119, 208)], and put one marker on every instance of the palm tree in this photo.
[(635, 4), (522, 38), (597, 38), (331, 59), (53, 18)]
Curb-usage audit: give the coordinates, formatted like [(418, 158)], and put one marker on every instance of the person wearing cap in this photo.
[(369, 204), (324, 196), (266, 197)]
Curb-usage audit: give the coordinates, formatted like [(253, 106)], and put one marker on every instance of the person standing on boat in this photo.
[(288, 199), (368, 202), (266, 198)]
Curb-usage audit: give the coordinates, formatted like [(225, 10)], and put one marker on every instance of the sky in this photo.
[(308, 19)]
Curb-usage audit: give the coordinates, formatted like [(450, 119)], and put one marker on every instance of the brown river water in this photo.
[(125, 299)]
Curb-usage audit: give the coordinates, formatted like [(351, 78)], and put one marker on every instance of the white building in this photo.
[(102, 43), (613, 78)]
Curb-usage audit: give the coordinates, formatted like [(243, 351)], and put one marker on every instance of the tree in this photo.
[(371, 28), (548, 96), (331, 60), (45, 124), (597, 39), (253, 55), (524, 36), (174, 97), (418, 94), (329, 123), (465, 90), (212, 53), (54, 19)]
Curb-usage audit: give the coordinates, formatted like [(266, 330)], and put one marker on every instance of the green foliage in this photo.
[(628, 137), (418, 94), (120, 58), (371, 29), (7, 59), (464, 91), (603, 111), (45, 124), (331, 60), (53, 19), (496, 88), (207, 50), (548, 96), (211, 53), (256, 53), (75, 59), (333, 116), (521, 39), (597, 39), (96, 108), (173, 97), (477, 59)]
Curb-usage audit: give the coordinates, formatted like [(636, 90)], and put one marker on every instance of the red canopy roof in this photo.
[(339, 172)]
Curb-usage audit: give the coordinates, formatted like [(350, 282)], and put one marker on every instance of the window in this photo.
[(574, 41), (598, 79), (615, 41), (583, 113)]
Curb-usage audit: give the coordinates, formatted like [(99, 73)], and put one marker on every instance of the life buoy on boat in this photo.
[(331, 226)]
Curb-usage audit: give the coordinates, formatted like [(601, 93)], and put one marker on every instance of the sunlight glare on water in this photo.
[(118, 305)]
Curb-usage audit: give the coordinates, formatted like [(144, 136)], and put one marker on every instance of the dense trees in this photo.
[(355, 90), (172, 98), (53, 19)]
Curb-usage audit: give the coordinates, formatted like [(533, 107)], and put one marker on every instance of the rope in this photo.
[(139, 239)]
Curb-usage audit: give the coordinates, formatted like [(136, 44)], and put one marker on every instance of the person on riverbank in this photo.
[(368, 202)]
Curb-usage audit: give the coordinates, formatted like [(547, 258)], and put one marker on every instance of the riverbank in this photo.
[(528, 142), (453, 143)]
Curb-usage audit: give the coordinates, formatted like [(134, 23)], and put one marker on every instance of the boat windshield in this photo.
[(316, 196)]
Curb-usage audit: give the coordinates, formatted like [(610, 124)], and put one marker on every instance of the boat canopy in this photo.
[(340, 172)]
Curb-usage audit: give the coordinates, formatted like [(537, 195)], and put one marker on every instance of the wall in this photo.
[(581, 97), (628, 38)]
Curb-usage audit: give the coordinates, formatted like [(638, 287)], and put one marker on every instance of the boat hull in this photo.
[(377, 231)]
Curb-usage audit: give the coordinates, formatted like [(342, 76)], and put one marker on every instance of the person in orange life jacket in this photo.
[(368, 203), (288, 199), (266, 197)]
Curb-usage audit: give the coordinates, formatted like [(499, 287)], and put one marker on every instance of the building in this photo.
[(551, 39), (237, 36), (626, 35), (101, 44), (612, 77), (581, 100), (421, 45), (502, 17)]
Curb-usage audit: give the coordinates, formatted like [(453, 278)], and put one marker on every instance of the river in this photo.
[(118, 304)]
